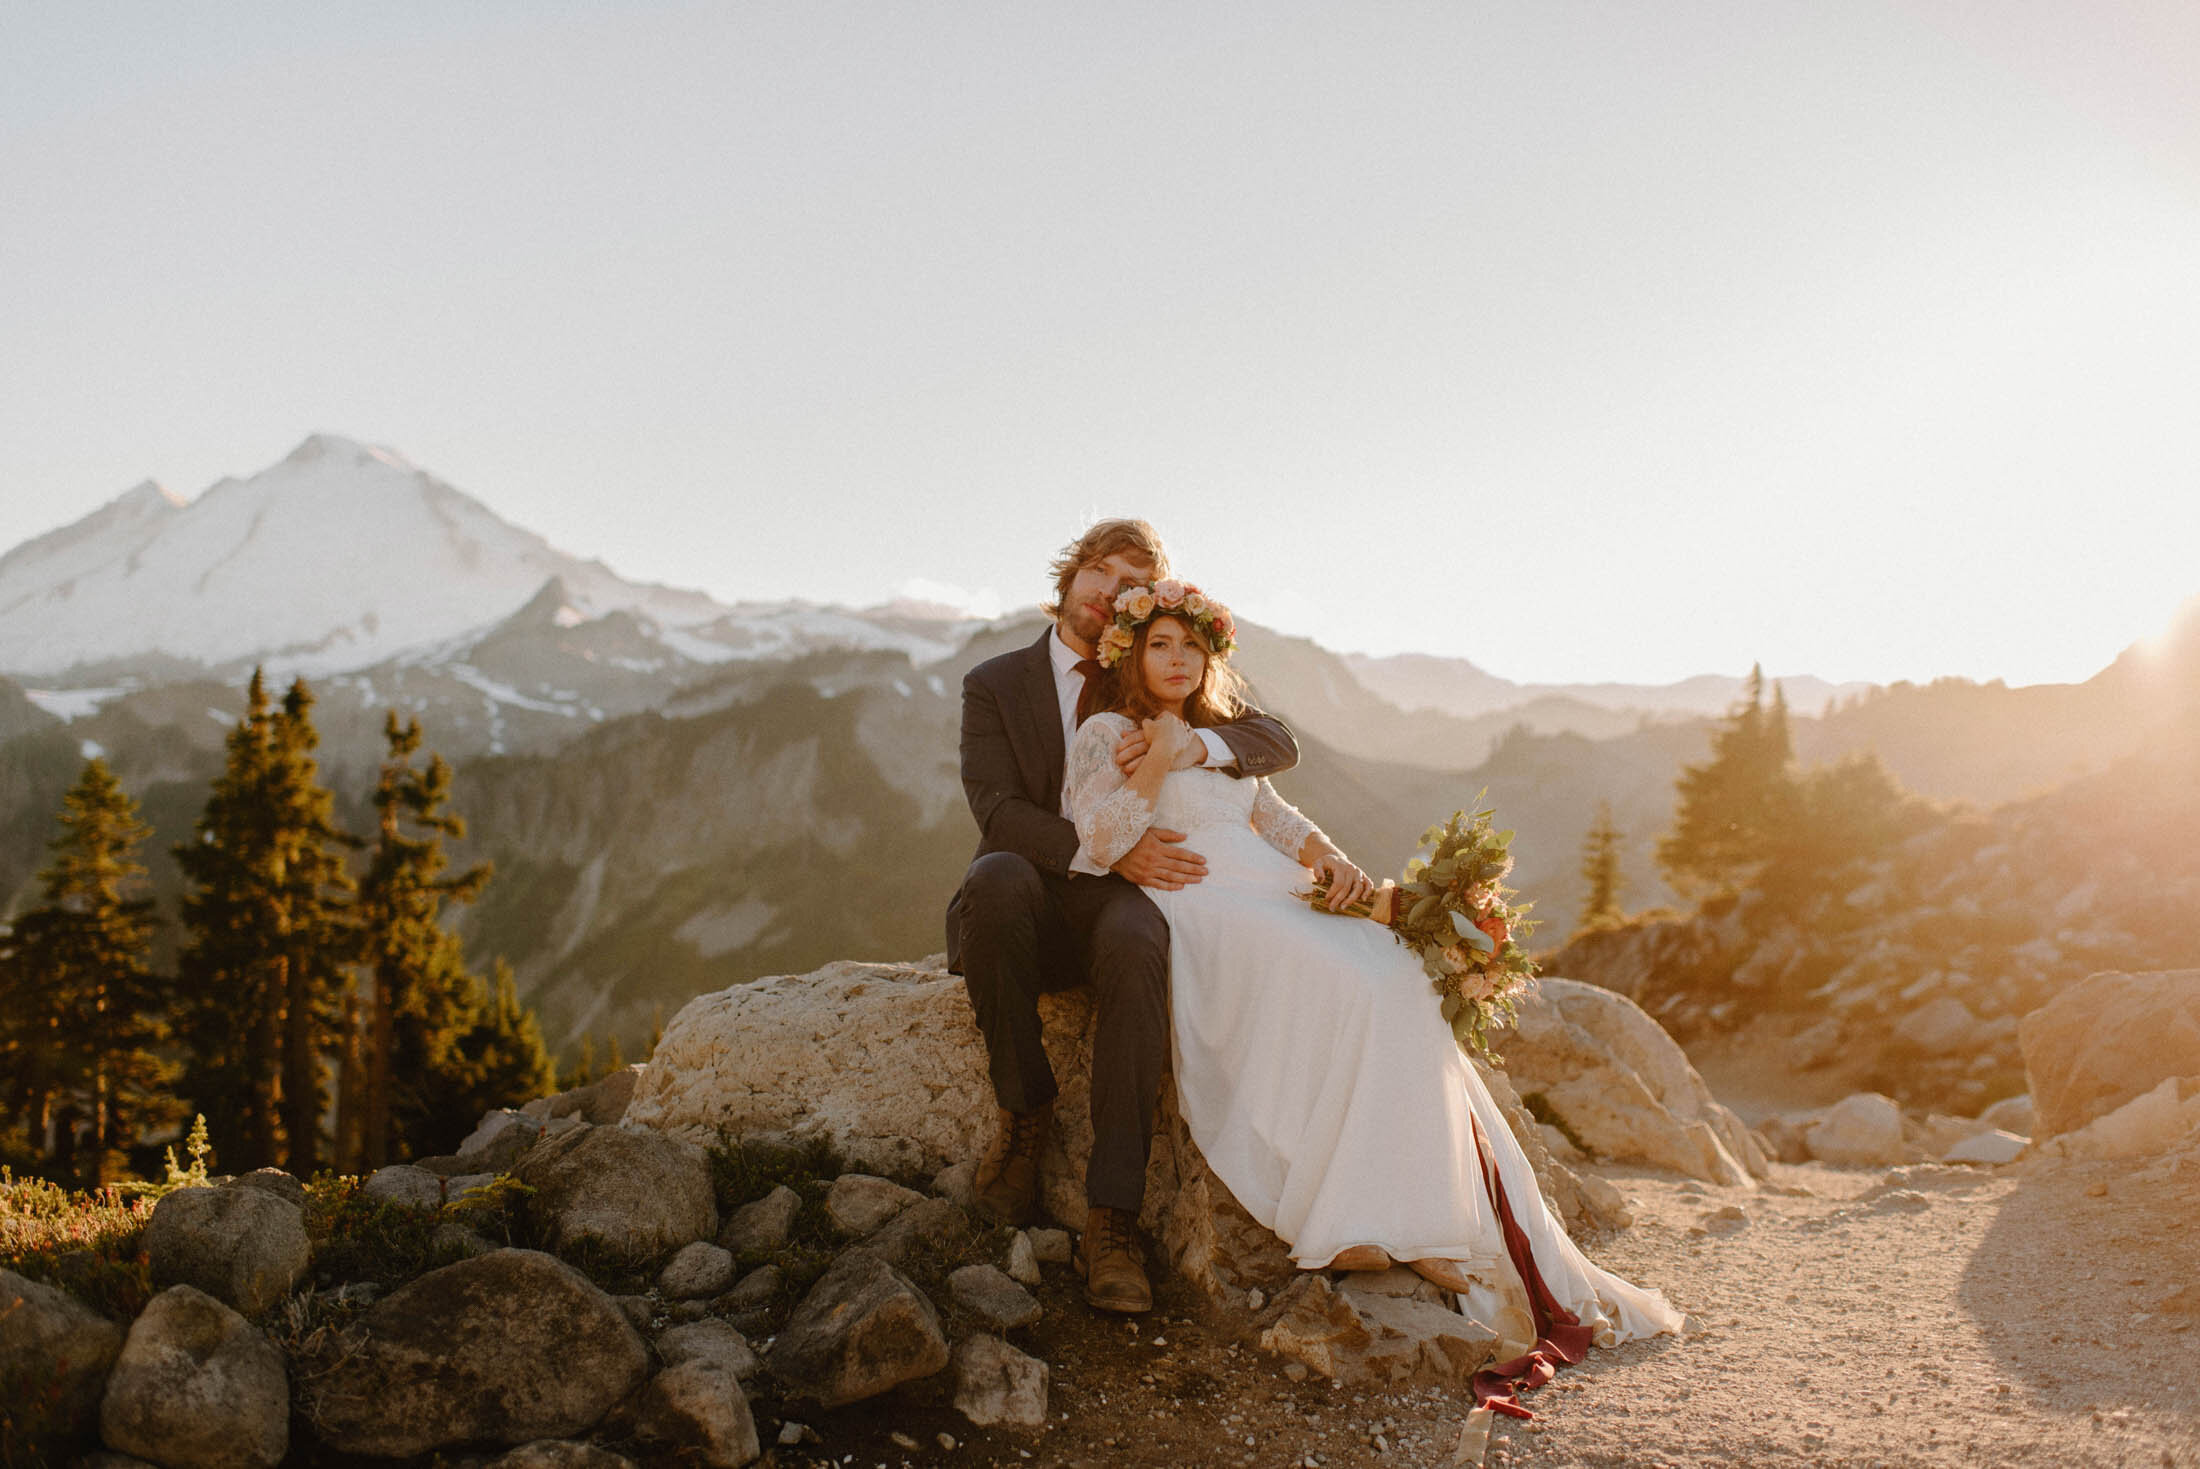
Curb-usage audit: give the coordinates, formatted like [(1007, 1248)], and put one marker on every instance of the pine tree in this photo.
[(1731, 808), (510, 1064), (424, 1000), (1600, 870), (81, 1004), (262, 970)]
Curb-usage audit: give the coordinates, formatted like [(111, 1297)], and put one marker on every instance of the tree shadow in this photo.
[(2086, 1287)]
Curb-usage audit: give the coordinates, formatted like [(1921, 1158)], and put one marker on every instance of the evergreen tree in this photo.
[(81, 1006), (269, 939), (424, 1002), (1600, 870), (1731, 808), (510, 1064)]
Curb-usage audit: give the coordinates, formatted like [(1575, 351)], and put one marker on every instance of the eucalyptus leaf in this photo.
[(1478, 941)]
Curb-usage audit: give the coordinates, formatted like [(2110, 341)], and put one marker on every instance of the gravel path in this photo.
[(2042, 1314), (2045, 1313)]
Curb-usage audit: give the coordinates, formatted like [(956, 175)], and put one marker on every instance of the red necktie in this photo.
[(1088, 698)]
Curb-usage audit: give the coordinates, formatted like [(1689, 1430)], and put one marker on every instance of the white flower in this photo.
[(1169, 591)]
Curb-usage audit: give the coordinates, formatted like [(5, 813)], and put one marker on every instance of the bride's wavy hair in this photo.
[(1219, 698)]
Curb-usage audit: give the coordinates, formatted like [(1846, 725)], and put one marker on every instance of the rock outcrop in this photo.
[(2108, 1040), (884, 1060), (507, 1347), (1619, 1084)]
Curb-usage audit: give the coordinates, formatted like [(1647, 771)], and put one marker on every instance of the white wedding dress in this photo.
[(1313, 1065)]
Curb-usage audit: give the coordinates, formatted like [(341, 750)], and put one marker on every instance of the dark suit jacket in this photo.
[(1012, 761)]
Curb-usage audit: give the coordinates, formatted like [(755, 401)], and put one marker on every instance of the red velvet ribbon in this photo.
[(1561, 1339)]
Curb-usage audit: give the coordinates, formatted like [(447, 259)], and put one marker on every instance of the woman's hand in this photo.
[(1347, 884), (1167, 738)]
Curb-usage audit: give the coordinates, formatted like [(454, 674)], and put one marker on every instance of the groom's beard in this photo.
[(1083, 623)]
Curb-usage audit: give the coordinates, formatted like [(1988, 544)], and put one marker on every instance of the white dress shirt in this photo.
[(1068, 684)]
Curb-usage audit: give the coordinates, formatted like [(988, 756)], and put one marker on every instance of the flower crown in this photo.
[(1135, 606)]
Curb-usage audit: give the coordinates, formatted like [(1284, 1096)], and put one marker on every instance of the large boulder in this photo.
[(2107, 1040), (862, 1329), (243, 1246), (54, 1352), (505, 1348), (1617, 1082), (197, 1387), (2164, 1120), (885, 1061), (634, 1192)]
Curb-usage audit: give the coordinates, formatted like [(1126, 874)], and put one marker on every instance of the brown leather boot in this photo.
[(1007, 1182), (1110, 1256)]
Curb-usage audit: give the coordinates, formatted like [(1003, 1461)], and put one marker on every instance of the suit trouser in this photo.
[(1024, 933)]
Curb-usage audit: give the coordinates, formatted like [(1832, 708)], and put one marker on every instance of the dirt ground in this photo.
[(2041, 1313)]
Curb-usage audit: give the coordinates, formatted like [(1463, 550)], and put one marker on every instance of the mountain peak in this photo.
[(145, 496), (318, 447)]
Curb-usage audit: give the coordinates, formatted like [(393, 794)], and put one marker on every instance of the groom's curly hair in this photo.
[(1104, 539)]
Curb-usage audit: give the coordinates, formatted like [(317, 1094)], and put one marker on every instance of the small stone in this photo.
[(791, 1433), (698, 1270), (946, 1441), (902, 1440), (1726, 1219), (761, 1225), (997, 1386), (957, 1183), (992, 1297), (932, 1223), (1255, 1299), (1050, 1245), (2097, 1189), (1296, 1371), (1023, 1262), (756, 1289), (859, 1203), (713, 1341)]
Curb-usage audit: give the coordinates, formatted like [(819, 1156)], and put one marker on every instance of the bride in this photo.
[(1312, 1064)]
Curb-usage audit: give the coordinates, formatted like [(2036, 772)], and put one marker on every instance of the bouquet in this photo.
[(1453, 909)]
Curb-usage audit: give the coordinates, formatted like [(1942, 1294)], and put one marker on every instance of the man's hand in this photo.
[(1158, 862)]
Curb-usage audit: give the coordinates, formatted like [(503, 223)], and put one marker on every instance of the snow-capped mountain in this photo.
[(344, 556)]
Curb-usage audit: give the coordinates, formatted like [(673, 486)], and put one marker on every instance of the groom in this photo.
[(1035, 914)]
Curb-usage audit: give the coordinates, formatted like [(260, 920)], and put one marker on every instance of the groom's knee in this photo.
[(1000, 887), (1129, 944)]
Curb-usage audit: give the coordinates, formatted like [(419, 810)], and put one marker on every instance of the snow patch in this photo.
[(74, 703), (92, 749), (716, 931)]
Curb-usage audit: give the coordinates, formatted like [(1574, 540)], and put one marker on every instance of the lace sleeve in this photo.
[(1109, 815), (1280, 824)]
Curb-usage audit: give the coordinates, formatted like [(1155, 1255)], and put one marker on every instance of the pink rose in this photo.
[(1168, 591)]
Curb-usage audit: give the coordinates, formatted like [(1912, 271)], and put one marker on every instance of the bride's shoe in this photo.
[(1361, 1257), (1445, 1273)]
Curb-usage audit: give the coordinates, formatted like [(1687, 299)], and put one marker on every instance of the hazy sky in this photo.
[(1584, 341)]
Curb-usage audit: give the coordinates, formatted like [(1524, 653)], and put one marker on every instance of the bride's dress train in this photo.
[(1315, 1071)]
